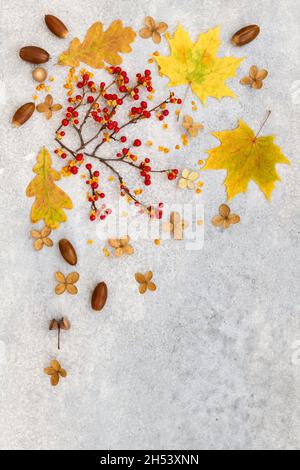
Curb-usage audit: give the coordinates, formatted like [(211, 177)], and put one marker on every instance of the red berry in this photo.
[(89, 166), (92, 217), (166, 112), (123, 139), (147, 114), (90, 99), (65, 122), (79, 85), (148, 183), (102, 195), (144, 105), (74, 170), (96, 174), (161, 118), (147, 160), (63, 156), (137, 143), (179, 101), (102, 217), (70, 109), (95, 185), (147, 73)]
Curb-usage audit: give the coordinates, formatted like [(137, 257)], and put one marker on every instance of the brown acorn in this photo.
[(99, 297), (34, 55), (68, 252), (56, 26), (245, 35), (23, 114)]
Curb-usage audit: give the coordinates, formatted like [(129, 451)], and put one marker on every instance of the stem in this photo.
[(183, 101), (263, 124), (58, 337)]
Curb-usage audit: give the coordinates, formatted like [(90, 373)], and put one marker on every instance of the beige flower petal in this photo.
[(63, 373), (35, 234), (48, 242), (60, 277), (175, 218), (72, 289), (190, 185), (48, 114), (124, 241), (193, 176), (129, 250), (217, 221), (151, 286), (182, 183), (54, 379), (143, 288), (257, 85), (156, 37), (72, 278), (146, 33), (186, 173), (140, 278), (119, 252), (226, 223), (253, 72), (178, 232), (234, 219), (55, 365), (224, 210), (187, 122), (38, 244), (168, 227), (248, 81), (262, 74), (148, 276), (56, 107), (162, 27), (45, 232), (49, 371), (49, 100), (195, 129), (42, 108), (150, 22), (114, 243), (60, 289)]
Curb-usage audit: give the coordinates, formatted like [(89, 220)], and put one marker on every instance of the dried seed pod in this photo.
[(34, 55), (56, 26), (54, 325), (68, 252), (245, 35), (99, 297), (65, 324), (23, 114), (39, 74)]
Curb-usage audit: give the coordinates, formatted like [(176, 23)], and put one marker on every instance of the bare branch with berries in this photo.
[(95, 107)]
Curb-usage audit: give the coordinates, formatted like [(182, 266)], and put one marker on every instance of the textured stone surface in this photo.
[(211, 360)]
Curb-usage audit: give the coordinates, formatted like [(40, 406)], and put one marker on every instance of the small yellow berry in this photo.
[(90, 242), (157, 242)]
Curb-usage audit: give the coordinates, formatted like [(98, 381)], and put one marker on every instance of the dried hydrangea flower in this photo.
[(66, 283), (188, 179), (225, 218), (192, 127), (176, 226), (55, 371), (255, 78), (48, 108), (121, 246), (41, 238), (153, 30), (145, 282)]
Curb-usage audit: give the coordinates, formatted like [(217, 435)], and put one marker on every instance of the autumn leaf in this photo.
[(50, 200), (246, 157), (197, 64), (99, 46)]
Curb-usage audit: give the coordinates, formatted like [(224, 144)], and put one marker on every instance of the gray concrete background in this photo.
[(212, 360)]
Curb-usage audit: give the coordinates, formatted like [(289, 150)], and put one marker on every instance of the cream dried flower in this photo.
[(153, 30)]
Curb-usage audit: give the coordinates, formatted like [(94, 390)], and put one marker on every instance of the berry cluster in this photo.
[(96, 107)]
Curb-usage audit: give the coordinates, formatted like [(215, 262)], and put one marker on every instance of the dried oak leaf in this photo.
[(50, 200), (246, 157), (99, 46), (197, 64)]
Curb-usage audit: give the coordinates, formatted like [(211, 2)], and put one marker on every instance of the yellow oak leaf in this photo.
[(246, 157), (99, 46), (50, 200), (197, 64)]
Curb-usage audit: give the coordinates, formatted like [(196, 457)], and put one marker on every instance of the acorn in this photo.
[(39, 74), (34, 55), (245, 35), (56, 26), (23, 114)]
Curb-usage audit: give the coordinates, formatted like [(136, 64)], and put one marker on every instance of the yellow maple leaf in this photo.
[(246, 157), (197, 64), (50, 200), (99, 46)]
